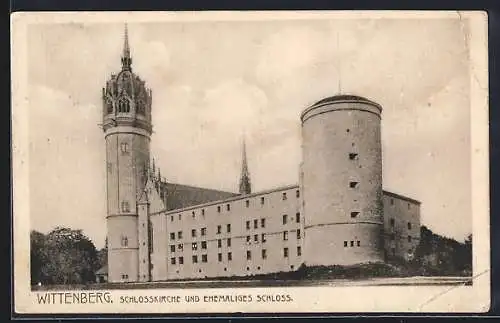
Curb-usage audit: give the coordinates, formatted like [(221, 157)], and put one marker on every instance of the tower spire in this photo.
[(245, 186), (126, 58)]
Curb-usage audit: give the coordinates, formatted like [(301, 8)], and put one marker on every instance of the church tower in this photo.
[(245, 185), (127, 130)]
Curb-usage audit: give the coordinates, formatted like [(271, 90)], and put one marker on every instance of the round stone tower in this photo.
[(342, 181), (127, 129)]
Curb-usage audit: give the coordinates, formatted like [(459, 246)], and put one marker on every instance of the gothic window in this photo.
[(109, 107), (123, 105), (125, 206), (141, 107), (124, 147)]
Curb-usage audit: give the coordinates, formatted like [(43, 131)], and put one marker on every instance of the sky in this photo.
[(215, 82)]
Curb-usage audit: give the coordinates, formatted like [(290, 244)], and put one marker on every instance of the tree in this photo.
[(66, 256)]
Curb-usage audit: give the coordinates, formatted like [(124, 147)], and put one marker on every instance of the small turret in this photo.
[(245, 185)]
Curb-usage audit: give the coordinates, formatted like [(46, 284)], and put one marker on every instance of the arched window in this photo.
[(124, 105), (141, 107), (109, 105)]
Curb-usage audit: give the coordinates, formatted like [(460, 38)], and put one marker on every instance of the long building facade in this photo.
[(338, 213)]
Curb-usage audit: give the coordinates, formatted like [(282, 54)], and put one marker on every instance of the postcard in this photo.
[(250, 162)]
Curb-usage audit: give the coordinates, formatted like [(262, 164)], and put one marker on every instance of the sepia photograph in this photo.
[(222, 162)]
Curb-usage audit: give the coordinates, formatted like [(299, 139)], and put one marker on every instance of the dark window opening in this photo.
[(285, 252), (172, 248), (353, 184), (285, 218), (194, 246), (263, 238), (255, 224), (256, 238), (181, 260), (262, 200), (352, 243), (219, 228), (392, 222), (285, 235), (219, 243), (203, 231), (172, 261), (172, 236), (203, 245), (359, 243), (345, 243), (195, 259), (297, 193), (284, 196), (218, 209), (299, 251), (229, 256), (354, 214), (298, 234), (228, 207), (409, 226), (204, 258), (228, 228), (193, 233), (247, 203), (262, 223), (264, 254), (219, 256), (249, 255), (248, 238), (248, 225), (297, 217), (229, 242), (353, 156), (392, 201), (124, 105)]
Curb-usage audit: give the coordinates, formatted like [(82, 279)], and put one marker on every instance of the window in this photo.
[(203, 245), (218, 209), (256, 238), (124, 147), (345, 243), (172, 235), (124, 105), (125, 206), (203, 231), (352, 243), (219, 228), (353, 184), (171, 218), (255, 224), (297, 217), (249, 255), (358, 243), (262, 200), (248, 238), (409, 238), (180, 216), (202, 211), (228, 207), (285, 252), (193, 214), (229, 242), (172, 261), (284, 196), (264, 254), (409, 225), (297, 193), (124, 276), (204, 258), (347, 130), (141, 107), (299, 251), (392, 201), (124, 242), (219, 243), (285, 235), (285, 218), (354, 214), (172, 248), (247, 203), (179, 234), (408, 206), (195, 259), (392, 222), (181, 260), (110, 106), (298, 234), (194, 246), (353, 156), (228, 227), (193, 233), (180, 247), (248, 225), (262, 223), (229, 256), (219, 256), (263, 238)]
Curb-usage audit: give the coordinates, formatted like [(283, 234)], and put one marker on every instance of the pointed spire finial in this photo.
[(126, 58), (245, 186)]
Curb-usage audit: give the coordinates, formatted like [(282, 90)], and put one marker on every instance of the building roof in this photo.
[(103, 270), (401, 197), (344, 97)]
